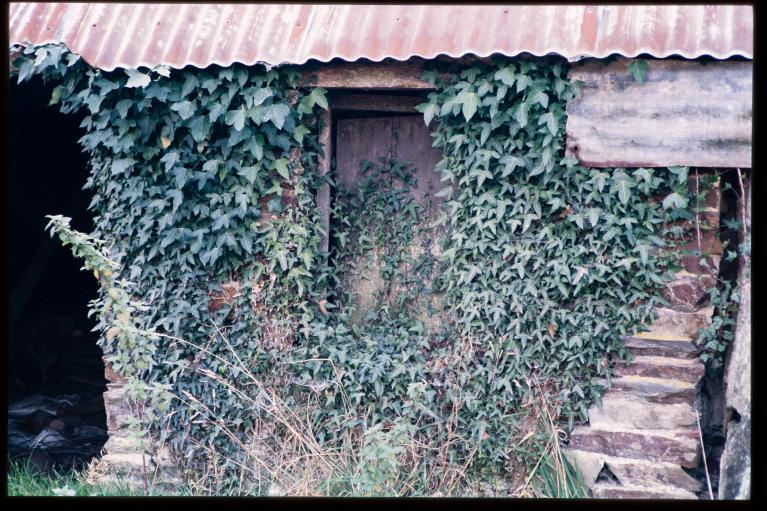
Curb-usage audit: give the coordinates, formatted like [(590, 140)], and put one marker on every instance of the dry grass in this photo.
[(282, 455)]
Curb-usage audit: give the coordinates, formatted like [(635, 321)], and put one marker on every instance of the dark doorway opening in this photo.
[(55, 373)]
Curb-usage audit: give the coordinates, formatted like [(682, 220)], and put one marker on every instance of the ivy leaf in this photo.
[(199, 128), (249, 173), (511, 163), (262, 95), (56, 95), (299, 132), (523, 81), (318, 96), (137, 79), (276, 112), (216, 111), (541, 98), (162, 70), (170, 159), (178, 198), (121, 165), (594, 216), (551, 122), (210, 166), (235, 118), (505, 75), (281, 166), (190, 83), (638, 69), (519, 112), (600, 180), (123, 106), (643, 252), (185, 109), (469, 103), (429, 110), (680, 173), (674, 200), (643, 174), (93, 102), (255, 145), (622, 184)]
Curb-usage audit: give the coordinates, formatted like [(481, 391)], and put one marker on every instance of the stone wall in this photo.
[(735, 472), (637, 444)]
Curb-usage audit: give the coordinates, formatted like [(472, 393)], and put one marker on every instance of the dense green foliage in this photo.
[(204, 187), (548, 263)]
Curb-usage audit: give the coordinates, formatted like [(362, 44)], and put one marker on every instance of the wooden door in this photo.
[(407, 140)]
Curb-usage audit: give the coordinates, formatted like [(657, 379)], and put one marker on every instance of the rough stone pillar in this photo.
[(735, 473), (122, 459)]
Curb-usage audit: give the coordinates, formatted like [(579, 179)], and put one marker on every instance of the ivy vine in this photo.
[(204, 186)]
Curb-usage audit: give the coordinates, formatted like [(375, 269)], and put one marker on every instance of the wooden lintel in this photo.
[(377, 103), (370, 76)]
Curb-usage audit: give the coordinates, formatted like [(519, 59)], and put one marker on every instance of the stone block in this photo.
[(608, 491), (632, 472), (679, 447), (688, 290), (621, 411), (675, 325), (661, 348), (655, 390), (666, 368)]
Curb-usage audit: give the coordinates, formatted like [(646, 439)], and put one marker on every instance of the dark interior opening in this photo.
[(55, 371)]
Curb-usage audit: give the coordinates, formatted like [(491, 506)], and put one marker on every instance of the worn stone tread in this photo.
[(612, 491), (672, 446), (621, 410), (632, 472), (662, 367), (678, 324), (653, 389), (672, 348)]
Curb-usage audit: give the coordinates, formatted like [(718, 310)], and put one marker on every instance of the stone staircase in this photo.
[(638, 443), (646, 430)]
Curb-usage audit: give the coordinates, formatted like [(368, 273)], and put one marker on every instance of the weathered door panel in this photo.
[(406, 140)]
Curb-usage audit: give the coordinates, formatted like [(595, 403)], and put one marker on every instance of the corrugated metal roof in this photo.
[(132, 35)]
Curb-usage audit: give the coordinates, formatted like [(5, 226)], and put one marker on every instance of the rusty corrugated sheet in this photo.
[(132, 35), (685, 113)]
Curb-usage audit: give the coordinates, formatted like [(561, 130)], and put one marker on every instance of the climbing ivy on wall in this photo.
[(199, 179), (547, 263), (204, 186)]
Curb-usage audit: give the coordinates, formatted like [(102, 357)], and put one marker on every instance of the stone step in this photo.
[(675, 348), (624, 410), (671, 446), (614, 491), (671, 324), (655, 390), (632, 472), (666, 368)]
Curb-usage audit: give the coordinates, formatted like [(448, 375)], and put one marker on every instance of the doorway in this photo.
[(382, 138), (55, 375)]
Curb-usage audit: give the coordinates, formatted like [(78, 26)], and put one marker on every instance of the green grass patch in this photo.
[(25, 480)]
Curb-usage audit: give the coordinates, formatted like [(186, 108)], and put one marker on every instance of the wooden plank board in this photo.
[(412, 145), (358, 140), (685, 113)]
